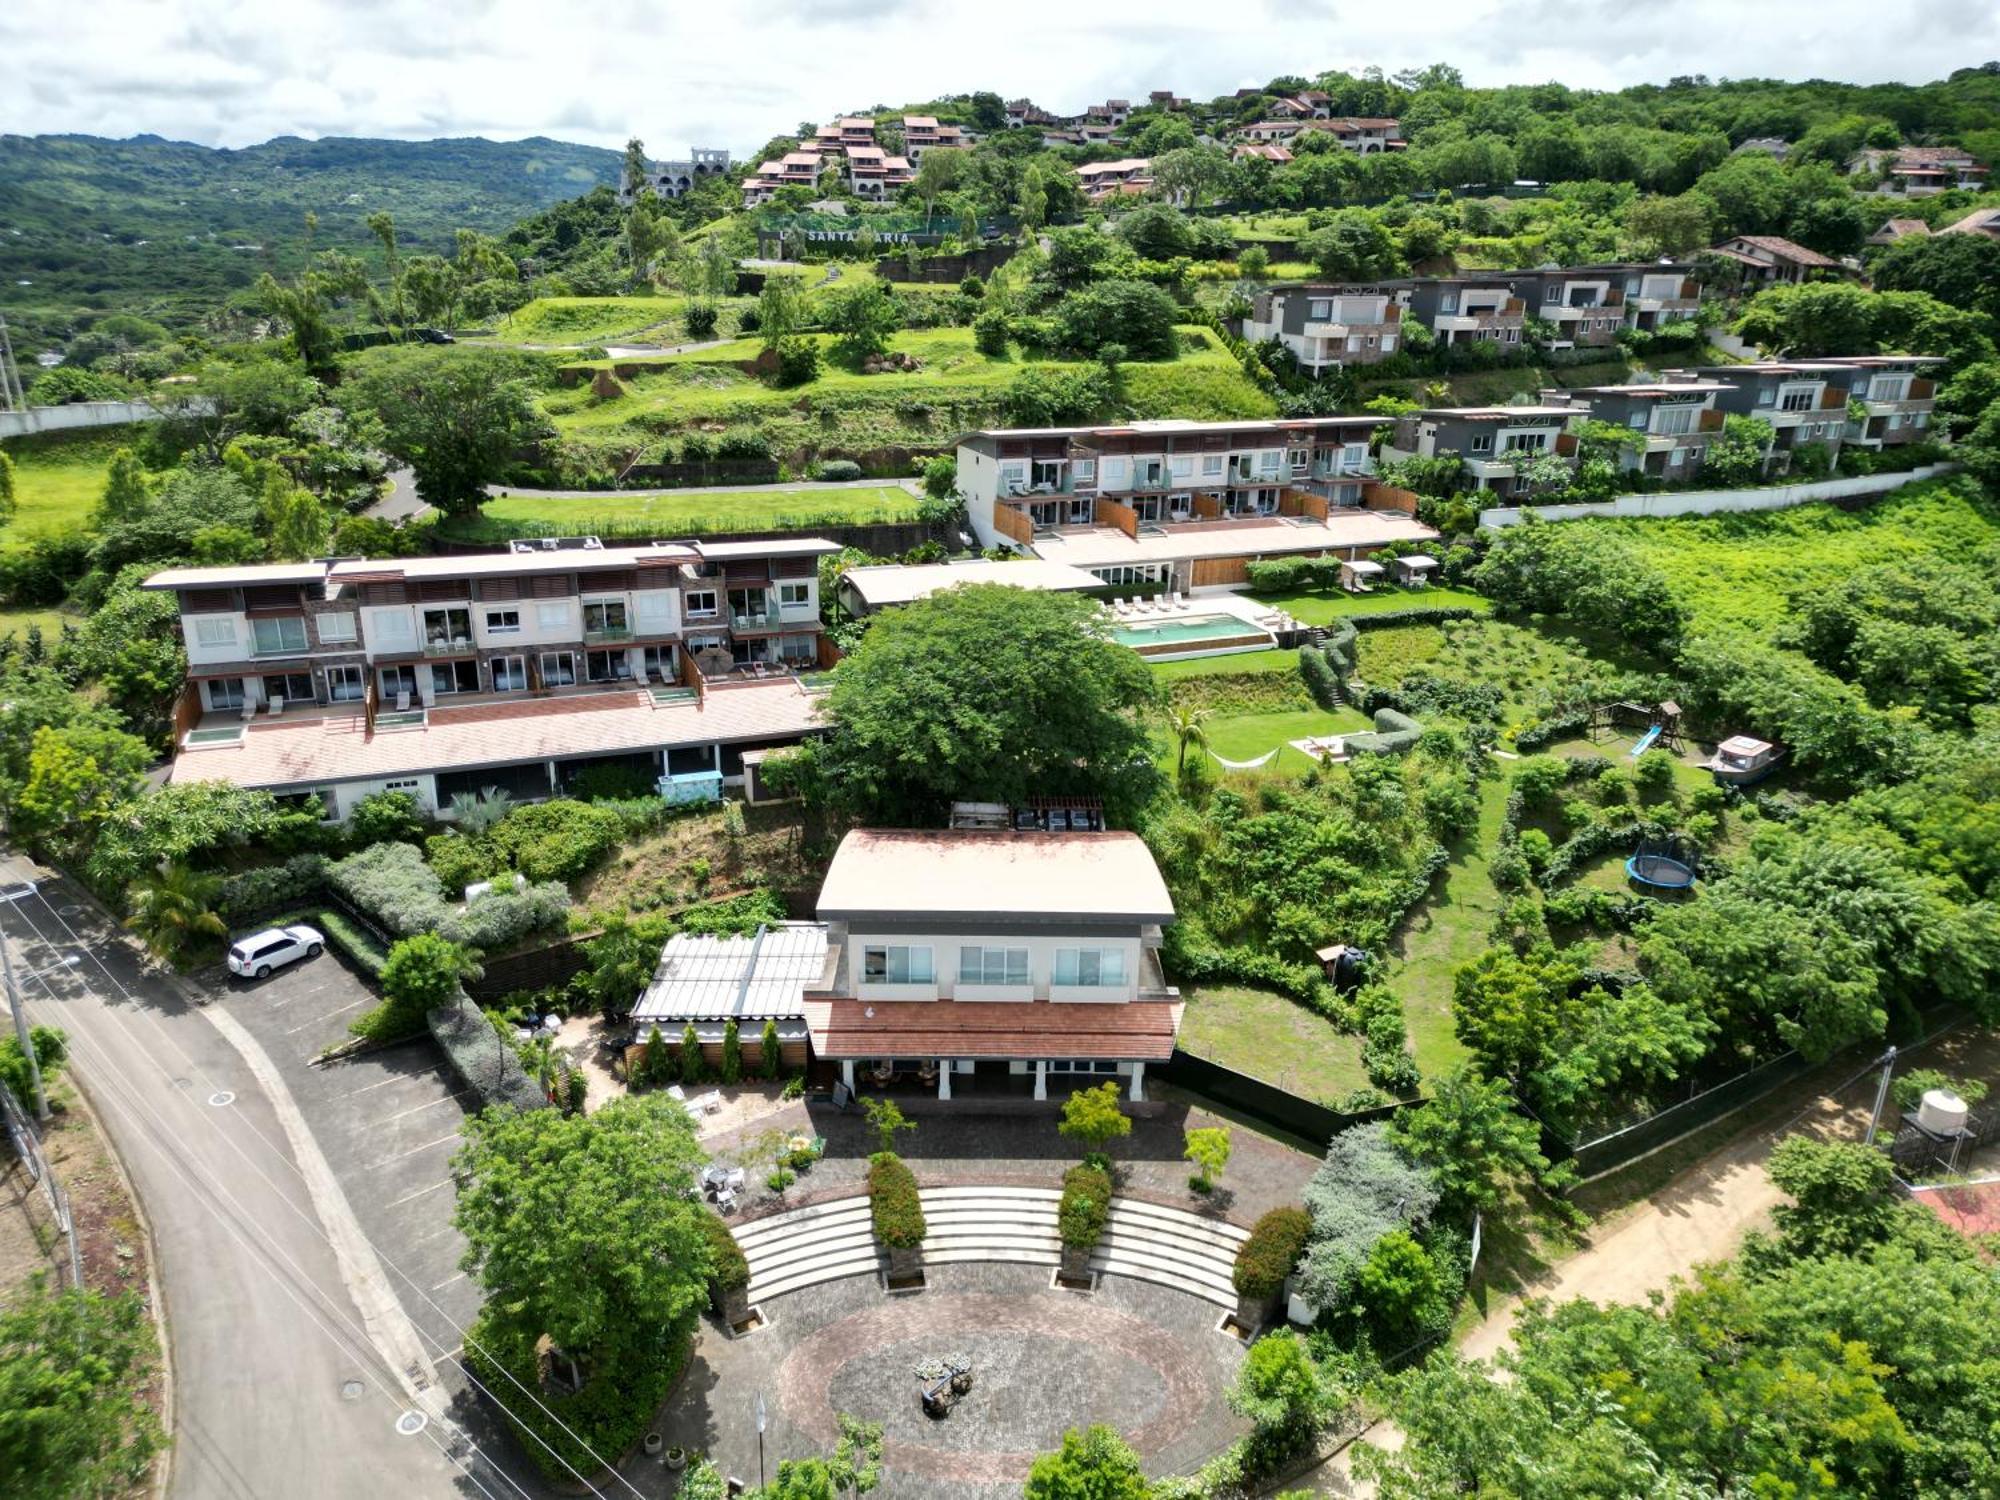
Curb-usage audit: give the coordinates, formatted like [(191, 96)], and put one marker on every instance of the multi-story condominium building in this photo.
[(1368, 136), (1890, 398), (1805, 401), (1112, 113), (1492, 442), (1027, 112), (844, 133), (1919, 171), (1585, 304), (1126, 178), (1467, 309), (1767, 258), (447, 674), (873, 173), (793, 169), (1312, 104), (1260, 150), (1328, 327), (1166, 99), (673, 179), (1672, 421), (1186, 504), (993, 963), (922, 133)]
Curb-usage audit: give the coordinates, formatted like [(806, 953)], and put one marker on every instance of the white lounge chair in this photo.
[(276, 705), (402, 703)]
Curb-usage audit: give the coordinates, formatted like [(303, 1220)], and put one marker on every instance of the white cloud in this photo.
[(233, 72)]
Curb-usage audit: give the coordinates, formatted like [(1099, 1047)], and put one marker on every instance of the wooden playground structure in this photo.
[(1659, 724)]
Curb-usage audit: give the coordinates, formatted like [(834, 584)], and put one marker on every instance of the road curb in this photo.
[(156, 1292)]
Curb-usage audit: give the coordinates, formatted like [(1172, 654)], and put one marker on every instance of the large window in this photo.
[(552, 615), (503, 622), (794, 595), (278, 637), (337, 626), (558, 668), (993, 966), (215, 630), (510, 674), (605, 617), (346, 684), (1090, 967), (701, 604), (293, 687), (224, 693), (896, 964)]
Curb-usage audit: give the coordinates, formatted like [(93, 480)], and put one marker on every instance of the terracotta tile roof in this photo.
[(315, 752), (1138, 1031)]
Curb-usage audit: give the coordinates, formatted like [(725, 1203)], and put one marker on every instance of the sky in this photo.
[(736, 72)]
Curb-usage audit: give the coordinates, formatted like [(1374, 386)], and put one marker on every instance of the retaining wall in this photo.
[(1716, 502), (77, 414)]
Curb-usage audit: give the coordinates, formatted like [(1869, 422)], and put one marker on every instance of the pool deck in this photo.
[(1242, 624)]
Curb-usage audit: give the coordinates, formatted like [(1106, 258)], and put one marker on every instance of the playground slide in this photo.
[(1646, 741)]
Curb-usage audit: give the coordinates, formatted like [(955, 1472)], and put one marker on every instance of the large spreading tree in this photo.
[(455, 416), (986, 693)]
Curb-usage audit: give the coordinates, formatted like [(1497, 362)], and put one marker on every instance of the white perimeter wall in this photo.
[(1714, 502), (77, 414)]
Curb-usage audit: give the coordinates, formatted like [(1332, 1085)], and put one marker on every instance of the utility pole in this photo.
[(1881, 1095), (21, 1031)]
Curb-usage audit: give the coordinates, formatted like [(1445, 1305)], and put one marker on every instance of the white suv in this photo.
[(256, 956)]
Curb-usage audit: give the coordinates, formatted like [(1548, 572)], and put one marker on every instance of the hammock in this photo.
[(1247, 765)]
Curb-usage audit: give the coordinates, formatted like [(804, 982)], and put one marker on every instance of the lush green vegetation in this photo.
[(698, 514), (1272, 1037), (59, 478)]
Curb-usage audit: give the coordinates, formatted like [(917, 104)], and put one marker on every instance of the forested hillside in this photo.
[(168, 229)]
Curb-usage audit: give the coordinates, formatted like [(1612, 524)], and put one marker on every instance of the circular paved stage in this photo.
[(1144, 1358)]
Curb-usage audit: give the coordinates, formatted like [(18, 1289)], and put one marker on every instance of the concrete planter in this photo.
[(1076, 1262), (1253, 1312), (733, 1303), (906, 1265)]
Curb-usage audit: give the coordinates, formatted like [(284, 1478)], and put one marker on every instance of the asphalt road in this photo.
[(281, 1389)]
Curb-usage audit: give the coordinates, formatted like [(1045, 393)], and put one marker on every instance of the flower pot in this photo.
[(677, 1458), (652, 1444)]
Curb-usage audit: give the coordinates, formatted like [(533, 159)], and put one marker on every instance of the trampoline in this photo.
[(1660, 869)]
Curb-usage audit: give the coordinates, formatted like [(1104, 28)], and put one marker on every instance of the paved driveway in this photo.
[(388, 1123)]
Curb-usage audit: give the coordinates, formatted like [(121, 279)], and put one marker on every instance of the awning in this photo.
[(1134, 1031)]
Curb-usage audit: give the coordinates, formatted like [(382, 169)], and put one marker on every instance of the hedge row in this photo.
[(1265, 1259), (1416, 614), (1394, 733), (728, 1269), (1320, 678), (1086, 1204), (893, 1203), (483, 1062)]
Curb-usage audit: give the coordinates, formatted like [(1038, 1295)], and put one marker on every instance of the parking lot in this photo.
[(387, 1122)]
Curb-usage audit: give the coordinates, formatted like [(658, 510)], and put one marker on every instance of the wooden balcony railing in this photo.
[(1013, 523), (1302, 503), (1112, 513)]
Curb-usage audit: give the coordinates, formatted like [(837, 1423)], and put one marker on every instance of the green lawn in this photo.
[(1242, 737), (613, 514), (1447, 930), (584, 320), (17, 621), (1272, 1038), (1737, 570), (1273, 660), (58, 478), (1323, 607)]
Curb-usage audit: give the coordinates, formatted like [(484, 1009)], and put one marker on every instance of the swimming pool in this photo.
[(1193, 635)]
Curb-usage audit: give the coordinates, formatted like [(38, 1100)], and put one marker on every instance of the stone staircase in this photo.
[(1146, 1241)]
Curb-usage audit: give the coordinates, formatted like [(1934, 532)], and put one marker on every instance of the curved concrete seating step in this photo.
[(1147, 1241)]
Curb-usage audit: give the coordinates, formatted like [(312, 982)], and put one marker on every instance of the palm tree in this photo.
[(172, 906), (1438, 391), (1187, 727)]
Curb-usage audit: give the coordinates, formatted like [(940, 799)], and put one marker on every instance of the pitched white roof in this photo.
[(1264, 537), (897, 583)]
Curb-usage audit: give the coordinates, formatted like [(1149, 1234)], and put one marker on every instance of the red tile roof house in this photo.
[(793, 169), (439, 675), (922, 133), (1127, 178), (1769, 258), (993, 962), (1899, 229), (1918, 171)]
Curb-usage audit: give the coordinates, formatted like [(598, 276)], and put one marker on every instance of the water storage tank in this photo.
[(1942, 1112)]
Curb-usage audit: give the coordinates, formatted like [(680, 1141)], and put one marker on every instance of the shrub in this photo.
[(271, 887), (894, 1206), (798, 361), (51, 1048), (1264, 1260), (391, 883), (422, 974), (382, 816), (732, 1053), (1086, 1204), (1319, 677), (700, 319), (692, 1065), (557, 840), (840, 468), (458, 860), (347, 938), (771, 1059), (728, 1270), (501, 918), (989, 333), (1653, 773), (1909, 1090)]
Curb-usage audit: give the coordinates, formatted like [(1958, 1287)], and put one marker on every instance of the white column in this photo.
[(847, 1073), (944, 1078), (1041, 1078), (1138, 1080)]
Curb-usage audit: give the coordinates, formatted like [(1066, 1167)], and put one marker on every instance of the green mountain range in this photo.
[(168, 229)]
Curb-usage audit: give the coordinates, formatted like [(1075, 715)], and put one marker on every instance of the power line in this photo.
[(311, 1222), (116, 1083)]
